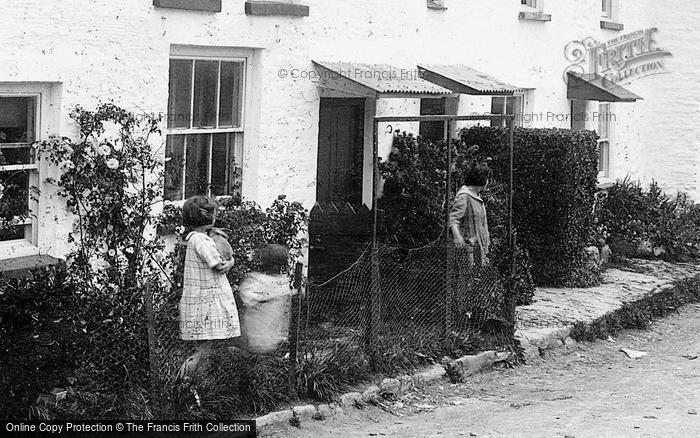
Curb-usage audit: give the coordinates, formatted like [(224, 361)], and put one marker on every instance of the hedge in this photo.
[(555, 177)]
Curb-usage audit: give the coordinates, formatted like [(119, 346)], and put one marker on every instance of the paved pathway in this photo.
[(555, 310), (583, 390)]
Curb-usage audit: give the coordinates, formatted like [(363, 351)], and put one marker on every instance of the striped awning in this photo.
[(465, 80), (595, 87), (375, 80)]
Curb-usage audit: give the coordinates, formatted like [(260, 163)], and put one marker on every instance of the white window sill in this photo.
[(436, 7), (22, 267), (181, 202), (604, 182), (535, 16), (611, 25), (17, 248)]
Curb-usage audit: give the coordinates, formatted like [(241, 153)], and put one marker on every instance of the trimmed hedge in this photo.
[(555, 177)]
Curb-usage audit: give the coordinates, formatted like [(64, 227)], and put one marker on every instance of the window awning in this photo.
[(465, 80), (375, 80), (595, 87)]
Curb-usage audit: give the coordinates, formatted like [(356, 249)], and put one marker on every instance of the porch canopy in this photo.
[(595, 87), (375, 80), (466, 80)]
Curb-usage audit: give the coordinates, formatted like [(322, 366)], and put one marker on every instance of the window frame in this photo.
[(604, 117), (532, 5), (424, 112), (219, 54), (31, 223), (518, 107)]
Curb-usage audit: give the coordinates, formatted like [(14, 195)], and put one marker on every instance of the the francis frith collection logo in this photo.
[(620, 60)]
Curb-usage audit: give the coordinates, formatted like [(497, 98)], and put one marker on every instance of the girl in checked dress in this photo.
[(207, 308)]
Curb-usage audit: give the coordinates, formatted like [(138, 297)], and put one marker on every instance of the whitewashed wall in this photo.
[(102, 50)]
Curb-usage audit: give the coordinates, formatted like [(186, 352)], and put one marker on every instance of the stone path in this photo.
[(547, 322)]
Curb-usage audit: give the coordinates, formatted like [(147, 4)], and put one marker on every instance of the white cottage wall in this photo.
[(103, 50)]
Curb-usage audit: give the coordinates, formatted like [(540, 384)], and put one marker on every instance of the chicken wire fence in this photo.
[(395, 309)]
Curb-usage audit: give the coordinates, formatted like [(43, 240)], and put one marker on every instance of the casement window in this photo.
[(19, 129), (604, 125), (205, 121), (512, 105), (610, 10)]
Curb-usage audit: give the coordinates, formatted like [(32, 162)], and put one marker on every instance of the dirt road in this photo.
[(586, 390)]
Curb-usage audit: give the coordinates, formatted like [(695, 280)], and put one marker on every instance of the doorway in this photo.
[(340, 150)]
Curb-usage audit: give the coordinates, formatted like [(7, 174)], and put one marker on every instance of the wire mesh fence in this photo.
[(395, 309)]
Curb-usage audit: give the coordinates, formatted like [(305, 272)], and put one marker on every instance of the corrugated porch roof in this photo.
[(376, 80), (595, 87), (466, 80)]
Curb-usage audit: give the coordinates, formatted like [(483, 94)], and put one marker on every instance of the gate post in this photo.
[(510, 298), (150, 331), (375, 291), (294, 330), (449, 249)]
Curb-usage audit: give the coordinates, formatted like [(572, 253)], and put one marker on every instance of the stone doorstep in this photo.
[(468, 365)]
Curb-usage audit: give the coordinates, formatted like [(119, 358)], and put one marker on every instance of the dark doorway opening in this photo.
[(340, 150)]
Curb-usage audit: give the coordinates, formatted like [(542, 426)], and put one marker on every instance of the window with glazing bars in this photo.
[(607, 9), (604, 119), (511, 105), (18, 167), (205, 127)]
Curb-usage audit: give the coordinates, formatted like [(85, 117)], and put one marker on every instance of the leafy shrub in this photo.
[(40, 338), (639, 221), (414, 200), (110, 180), (555, 177)]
